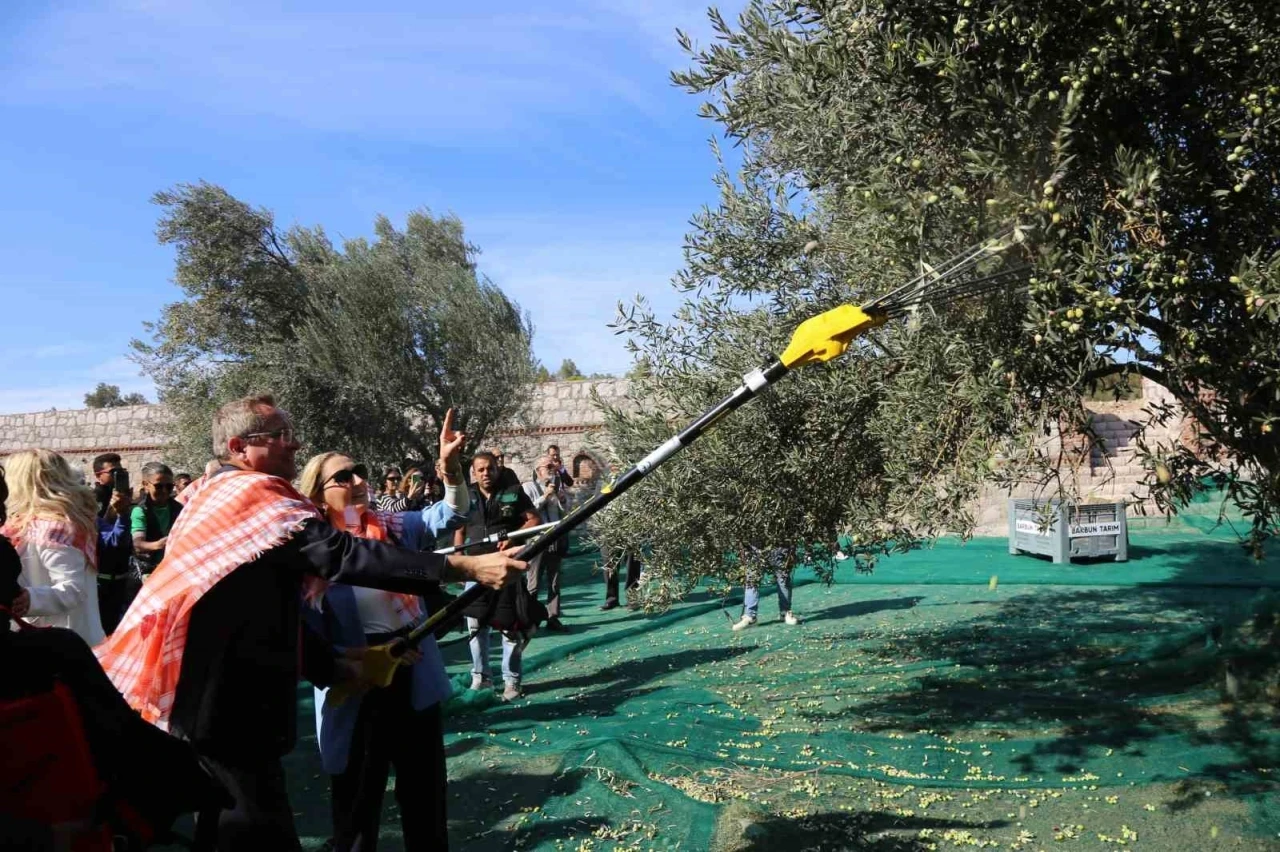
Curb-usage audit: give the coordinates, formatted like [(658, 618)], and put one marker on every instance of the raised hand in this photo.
[(450, 441)]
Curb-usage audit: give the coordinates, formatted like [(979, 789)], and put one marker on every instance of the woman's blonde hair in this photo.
[(43, 485), (311, 483)]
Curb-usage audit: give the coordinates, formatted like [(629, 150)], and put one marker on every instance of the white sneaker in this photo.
[(744, 622), (512, 692), (841, 555), (480, 682), (790, 618)]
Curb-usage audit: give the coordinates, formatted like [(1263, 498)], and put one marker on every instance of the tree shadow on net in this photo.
[(1113, 668), (592, 695), (840, 831), (855, 609), (481, 802)]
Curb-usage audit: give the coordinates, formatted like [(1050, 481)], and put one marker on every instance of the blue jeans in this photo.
[(751, 600), (511, 653)]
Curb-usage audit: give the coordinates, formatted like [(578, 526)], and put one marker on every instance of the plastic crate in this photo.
[(1076, 530)]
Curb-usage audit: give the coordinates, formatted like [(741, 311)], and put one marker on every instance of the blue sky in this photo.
[(551, 129)]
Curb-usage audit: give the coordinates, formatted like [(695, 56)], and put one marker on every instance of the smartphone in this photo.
[(120, 480)]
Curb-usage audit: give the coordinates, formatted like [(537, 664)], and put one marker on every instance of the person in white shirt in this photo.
[(544, 570), (53, 524)]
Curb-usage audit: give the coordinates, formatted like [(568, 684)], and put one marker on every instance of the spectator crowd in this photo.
[(205, 599)]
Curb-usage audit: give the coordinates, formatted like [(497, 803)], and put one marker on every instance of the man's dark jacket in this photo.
[(237, 692)]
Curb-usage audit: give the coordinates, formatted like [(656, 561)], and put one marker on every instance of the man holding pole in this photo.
[(210, 648)]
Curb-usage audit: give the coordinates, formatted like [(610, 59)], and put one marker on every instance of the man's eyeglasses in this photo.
[(286, 434), (347, 475)]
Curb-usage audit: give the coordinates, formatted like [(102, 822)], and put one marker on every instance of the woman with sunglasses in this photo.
[(361, 738), (390, 499)]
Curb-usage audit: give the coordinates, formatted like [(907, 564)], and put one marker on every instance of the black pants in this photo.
[(261, 817), (544, 572), (614, 565), (389, 732), (114, 596)]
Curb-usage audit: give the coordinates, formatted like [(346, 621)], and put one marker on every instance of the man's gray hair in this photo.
[(151, 469), (238, 418)]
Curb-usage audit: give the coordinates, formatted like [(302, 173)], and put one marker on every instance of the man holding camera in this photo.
[(117, 582), (544, 569)]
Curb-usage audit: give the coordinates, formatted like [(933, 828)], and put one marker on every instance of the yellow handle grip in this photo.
[(379, 665), (377, 669)]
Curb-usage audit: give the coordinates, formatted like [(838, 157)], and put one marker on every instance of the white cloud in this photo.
[(403, 72)]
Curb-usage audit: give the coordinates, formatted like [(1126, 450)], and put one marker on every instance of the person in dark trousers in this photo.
[(153, 517), (362, 737), (544, 569), (209, 650), (493, 510), (615, 564), (117, 580)]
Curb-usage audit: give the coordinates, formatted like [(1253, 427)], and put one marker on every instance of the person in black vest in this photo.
[(152, 518), (495, 510)]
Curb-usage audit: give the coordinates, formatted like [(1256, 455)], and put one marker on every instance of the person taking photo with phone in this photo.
[(117, 581)]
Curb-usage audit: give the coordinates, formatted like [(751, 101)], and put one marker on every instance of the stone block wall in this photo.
[(560, 413), (563, 413), (136, 432), (1106, 470)]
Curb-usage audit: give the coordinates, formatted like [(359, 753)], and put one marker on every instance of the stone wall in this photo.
[(1103, 471), (563, 413), (136, 432)]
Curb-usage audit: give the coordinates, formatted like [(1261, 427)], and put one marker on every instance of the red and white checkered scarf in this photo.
[(57, 532), (379, 526), (229, 520)]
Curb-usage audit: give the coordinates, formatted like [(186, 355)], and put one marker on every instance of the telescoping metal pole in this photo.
[(817, 339), (514, 535)]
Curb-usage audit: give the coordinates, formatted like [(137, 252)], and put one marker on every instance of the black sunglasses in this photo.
[(163, 486), (346, 475)]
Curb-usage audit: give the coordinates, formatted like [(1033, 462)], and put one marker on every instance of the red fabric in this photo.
[(379, 526), (57, 532), (46, 770)]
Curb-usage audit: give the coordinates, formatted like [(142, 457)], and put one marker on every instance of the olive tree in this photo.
[(366, 344), (1135, 139)]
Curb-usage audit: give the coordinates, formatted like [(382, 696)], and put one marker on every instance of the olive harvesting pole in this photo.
[(816, 340)]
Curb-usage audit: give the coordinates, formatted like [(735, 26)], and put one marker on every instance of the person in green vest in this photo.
[(153, 517)]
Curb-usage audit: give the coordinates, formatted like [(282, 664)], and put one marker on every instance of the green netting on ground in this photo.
[(1099, 681)]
